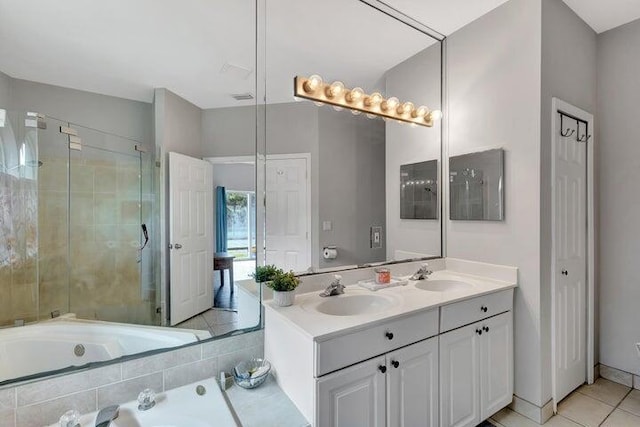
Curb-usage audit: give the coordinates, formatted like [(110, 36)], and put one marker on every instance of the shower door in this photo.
[(107, 253)]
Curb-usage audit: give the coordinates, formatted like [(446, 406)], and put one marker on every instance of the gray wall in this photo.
[(177, 128), (417, 79), (131, 119), (618, 149), (351, 179), (229, 132), (235, 176), (5, 91), (494, 77), (568, 73)]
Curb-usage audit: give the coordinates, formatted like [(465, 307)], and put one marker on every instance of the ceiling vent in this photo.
[(242, 96)]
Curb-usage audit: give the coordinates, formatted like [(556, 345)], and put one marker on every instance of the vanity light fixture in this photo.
[(336, 94)]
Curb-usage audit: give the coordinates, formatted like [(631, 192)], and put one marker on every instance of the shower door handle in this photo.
[(177, 246)]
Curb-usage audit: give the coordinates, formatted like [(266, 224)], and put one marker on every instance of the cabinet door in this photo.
[(459, 377), (496, 364), (412, 385), (353, 397)]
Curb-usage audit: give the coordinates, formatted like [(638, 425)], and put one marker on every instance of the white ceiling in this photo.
[(603, 15), (445, 16), (127, 48)]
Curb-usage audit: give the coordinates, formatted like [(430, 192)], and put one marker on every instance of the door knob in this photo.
[(395, 363), (565, 273), (177, 246), (382, 368)]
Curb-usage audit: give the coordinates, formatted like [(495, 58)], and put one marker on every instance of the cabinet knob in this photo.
[(389, 335), (485, 328), (565, 272), (479, 331), (395, 363), (484, 308), (382, 368)]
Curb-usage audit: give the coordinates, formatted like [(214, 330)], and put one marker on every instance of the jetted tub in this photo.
[(63, 342)]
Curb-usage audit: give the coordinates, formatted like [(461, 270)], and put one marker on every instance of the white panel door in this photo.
[(459, 378), (412, 385), (352, 397), (287, 211), (191, 236), (570, 238), (496, 364)]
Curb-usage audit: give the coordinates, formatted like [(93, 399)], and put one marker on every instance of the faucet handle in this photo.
[(337, 278), (71, 418), (146, 399)]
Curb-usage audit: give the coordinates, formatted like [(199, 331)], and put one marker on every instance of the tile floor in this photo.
[(604, 403)]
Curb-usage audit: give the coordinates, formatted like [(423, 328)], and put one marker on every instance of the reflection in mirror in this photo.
[(419, 190), (477, 186), (333, 173), (91, 116)]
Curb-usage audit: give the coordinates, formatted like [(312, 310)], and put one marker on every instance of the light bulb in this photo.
[(405, 108), (390, 104), (337, 108), (312, 84), (371, 116), (435, 115), (354, 95), (334, 90), (372, 100), (318, 103), (421, 111), (355, 112)]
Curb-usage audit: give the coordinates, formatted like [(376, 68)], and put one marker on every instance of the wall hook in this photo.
[(583, 138), (563, 132)]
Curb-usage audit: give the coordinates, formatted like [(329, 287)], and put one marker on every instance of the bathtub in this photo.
[(63, 342)]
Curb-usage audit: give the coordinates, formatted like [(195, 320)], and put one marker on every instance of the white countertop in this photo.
[(407, 300)]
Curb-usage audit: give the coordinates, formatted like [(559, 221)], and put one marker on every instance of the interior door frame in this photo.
[(556, 106), (288, 156)]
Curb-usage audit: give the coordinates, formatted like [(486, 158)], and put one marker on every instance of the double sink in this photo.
[(357, 301)]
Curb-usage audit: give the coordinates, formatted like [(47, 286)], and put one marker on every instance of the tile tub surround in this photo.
[(43, 402)]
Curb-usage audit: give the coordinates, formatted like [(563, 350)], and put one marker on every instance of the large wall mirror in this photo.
[(333, 173), (94, 96)]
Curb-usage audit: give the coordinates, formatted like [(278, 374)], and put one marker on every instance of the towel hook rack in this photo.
[(585, 136), (564, 133)]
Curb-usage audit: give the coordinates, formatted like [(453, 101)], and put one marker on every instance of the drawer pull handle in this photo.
[(382, 368), (484, 308), (479, 331), (395, 363), (485, 328), (389, 335)]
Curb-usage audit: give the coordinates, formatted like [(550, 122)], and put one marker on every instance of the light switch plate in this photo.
[(376, 237)]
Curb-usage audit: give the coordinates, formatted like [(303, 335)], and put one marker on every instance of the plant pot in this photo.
[(284, 299)]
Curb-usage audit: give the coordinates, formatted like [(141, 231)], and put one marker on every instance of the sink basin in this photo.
[(436, 285), (352, 305)]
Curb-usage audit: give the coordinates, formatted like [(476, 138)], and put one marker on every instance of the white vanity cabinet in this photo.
[(396, 389), (476, 371)]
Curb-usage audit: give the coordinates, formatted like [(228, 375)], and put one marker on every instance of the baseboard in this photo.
[(619, 376), (535, 413)]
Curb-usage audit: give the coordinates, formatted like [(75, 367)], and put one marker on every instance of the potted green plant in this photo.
[(284, 286), (265, 273)]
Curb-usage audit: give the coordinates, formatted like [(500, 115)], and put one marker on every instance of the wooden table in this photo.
[(223, 261)]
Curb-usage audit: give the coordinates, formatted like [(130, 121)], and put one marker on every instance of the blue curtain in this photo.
[(221, 219)]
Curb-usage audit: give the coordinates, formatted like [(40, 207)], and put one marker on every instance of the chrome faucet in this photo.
[(422, 273), (106, 415), (335, 288)]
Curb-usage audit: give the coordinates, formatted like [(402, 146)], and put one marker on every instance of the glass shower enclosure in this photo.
[(87, 246)]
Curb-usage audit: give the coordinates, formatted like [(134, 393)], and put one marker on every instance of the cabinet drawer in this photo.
[(345, 350), (465, 312)]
